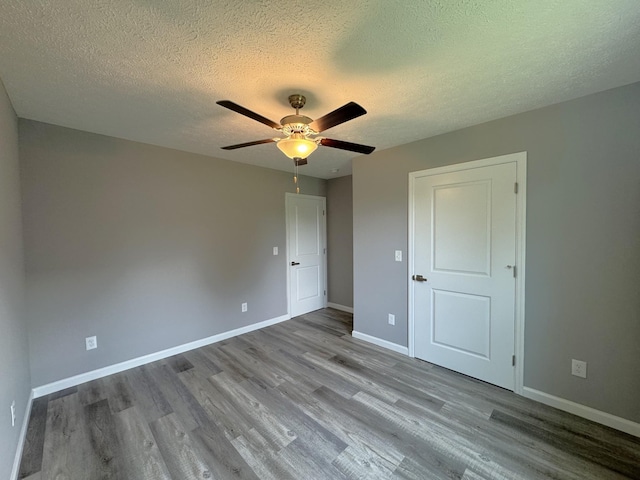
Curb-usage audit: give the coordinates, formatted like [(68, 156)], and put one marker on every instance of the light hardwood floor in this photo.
[(304, 400)]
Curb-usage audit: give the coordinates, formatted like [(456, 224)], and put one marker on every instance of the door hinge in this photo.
[(323, 213), (515, 269), (325, 293), (325, 251), (513, 360), (515, 187)]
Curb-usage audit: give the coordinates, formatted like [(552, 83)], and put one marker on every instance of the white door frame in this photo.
[(520, 160), (288, 195)]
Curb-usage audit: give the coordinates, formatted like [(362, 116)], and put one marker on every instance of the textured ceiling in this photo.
[(151, 70)]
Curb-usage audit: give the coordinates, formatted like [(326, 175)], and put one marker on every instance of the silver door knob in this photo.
[(418, 278)]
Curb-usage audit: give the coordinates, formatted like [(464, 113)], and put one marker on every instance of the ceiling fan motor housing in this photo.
[(297, 124)]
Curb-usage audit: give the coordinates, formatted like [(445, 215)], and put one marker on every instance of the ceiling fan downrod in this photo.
[(297, 101)]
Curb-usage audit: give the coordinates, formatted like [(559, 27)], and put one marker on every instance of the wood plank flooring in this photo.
[(304, 400)]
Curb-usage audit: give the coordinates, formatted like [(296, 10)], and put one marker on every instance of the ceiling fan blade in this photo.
[(248, 113), (352, 147), (343, 114), (248, 144)]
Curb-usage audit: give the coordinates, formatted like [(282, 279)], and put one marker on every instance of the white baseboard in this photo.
[(23, 434), (380, 342), (342, 308), (152, 357), (583, 411)]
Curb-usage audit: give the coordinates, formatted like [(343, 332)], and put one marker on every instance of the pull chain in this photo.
[(295, 176)]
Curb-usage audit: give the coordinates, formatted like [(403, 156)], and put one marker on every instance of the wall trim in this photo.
[(380, 342), (152, 357), (21, 438), (598, 416), (342, 308)]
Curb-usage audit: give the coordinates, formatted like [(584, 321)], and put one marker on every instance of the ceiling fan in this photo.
[(300, 132)]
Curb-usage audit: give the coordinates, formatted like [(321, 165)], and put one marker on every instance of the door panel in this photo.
[(462, 228), (308, 282), (464, 243), (455, 312), (306, 226)]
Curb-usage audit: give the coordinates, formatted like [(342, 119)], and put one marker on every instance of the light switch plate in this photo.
[(275, 250), (398, 255)]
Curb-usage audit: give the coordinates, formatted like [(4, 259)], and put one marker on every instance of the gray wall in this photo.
[(583, 240), (15, 384), (145, 247), (340, 240)]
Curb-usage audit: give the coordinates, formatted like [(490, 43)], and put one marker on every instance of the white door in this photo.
[(306, 253), (464, 245)]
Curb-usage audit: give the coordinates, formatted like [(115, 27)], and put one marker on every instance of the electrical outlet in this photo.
[(392, 319), (91, 342), (275, 250), (398, 255), (13, 413), (579, 368), (244, 307)]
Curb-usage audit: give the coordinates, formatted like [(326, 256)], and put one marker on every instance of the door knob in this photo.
[(418, 278), (293, 264)]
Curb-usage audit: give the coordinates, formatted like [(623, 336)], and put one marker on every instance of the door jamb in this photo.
[(520, 160), (287, 196)]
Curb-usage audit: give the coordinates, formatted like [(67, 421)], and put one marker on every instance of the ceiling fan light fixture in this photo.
[(300, 131), (297, 146)]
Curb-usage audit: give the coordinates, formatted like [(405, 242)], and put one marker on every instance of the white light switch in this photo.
[(398, 255), (275, 250)]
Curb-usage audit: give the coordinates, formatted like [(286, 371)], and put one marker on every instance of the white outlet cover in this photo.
[(392, 319), (244, 307), (275, 250), (398, 255), (579, 368), (91, 342)]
